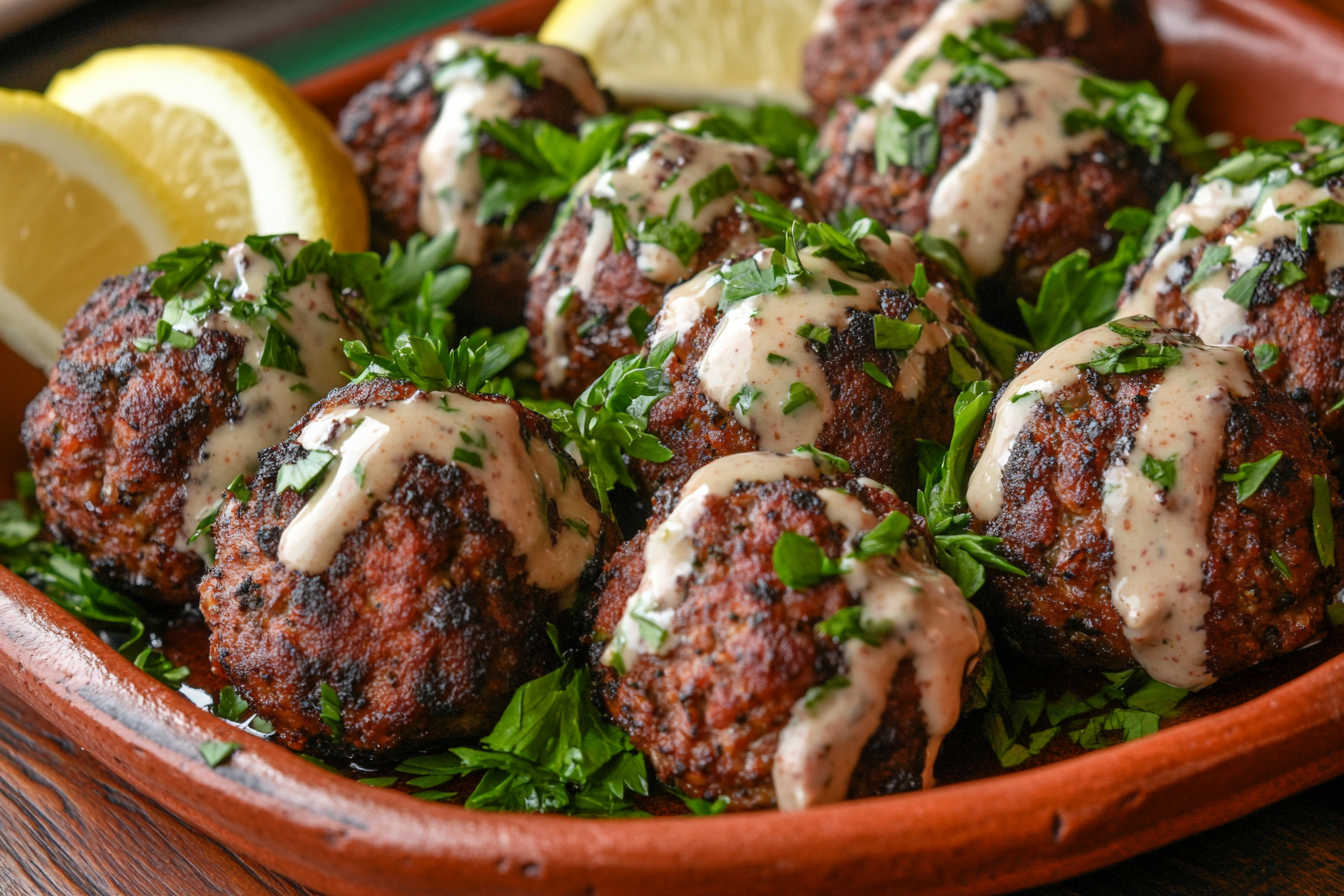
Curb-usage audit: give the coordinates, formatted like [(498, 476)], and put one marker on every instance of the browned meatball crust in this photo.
[(424, 623), (1052, 527), (574, 342), (1309, 365), (384, 126), (708, 714), (1116, 39), (1062, 209), (873, 427), (112, 436)]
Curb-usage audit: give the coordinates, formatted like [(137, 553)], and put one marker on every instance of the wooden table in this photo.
[(68, 826)]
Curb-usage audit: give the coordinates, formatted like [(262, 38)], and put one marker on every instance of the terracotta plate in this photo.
[(1261, 65)]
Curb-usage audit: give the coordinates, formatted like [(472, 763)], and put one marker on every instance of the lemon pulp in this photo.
[(195, 159), (62, 235)]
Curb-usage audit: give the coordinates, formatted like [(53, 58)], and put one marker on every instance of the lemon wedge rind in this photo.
[(298, 176)]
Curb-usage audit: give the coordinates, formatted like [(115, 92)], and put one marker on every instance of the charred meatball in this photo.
[(1168, 507), (418, 147), (1244, 261), (741, 669), (995, 172), (139, 431), (405, 550), (853, 41), (859, 360), (662, 210)]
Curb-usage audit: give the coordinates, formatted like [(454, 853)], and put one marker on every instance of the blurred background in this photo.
[(297, 38)]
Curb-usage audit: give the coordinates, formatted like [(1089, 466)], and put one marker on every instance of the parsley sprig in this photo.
[(1130, 705), (67, 578), (611, 419), (551, 751), (960, 553), (473, 365)]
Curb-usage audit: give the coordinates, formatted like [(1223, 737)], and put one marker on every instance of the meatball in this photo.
[(861, 368), (853, 41), (1234, 266), (994, 172), (417, 149), (743, 669), (402, 552), (138, 432), (1168, 507), (657, 213)]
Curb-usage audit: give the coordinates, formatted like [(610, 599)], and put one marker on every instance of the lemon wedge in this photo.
[(236, 147), (683, 52), (76, 208)]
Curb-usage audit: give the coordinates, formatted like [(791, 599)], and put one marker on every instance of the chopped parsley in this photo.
[(701, 807), (426, 361), (638, 321), (1162, 472), (775, 359), (1134, 356), (331, 711), (885, 539), (216, 751), (800, 562), (715, 185), (1281, 566), (1322, 520), (67, 578), (873, 371), (823, 458), (1242, 290), (815, 695), (1214, 257), (1134, 111), (815, 333), (1266, 355), (1322, 303), (798, 396), (744, 399), (744, 280), (1249, 477), (777, 128), (906, 139), (482, 64), (850, 623), (303, 473), (896, 335)]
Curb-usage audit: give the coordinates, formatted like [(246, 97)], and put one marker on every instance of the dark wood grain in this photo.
[(68, 826)]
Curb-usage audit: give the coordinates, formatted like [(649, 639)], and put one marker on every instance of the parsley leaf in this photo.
[(715, 185), (1211, 260), (67, 578), (815, 695), (1266, 355), (886, 538), (426, 361), (893, 334), (216, 751), (800, 562), (1133, 111), (331, 711), (798, 396), (611, 418), (302, 473), (822, 458), (1242, 290), (1162, 472), (873, 371), (484, 64), (905, 138), (1322, 520), (777, 128), (848, 623)]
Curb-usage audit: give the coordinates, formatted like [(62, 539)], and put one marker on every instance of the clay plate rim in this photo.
[(1015, 830)]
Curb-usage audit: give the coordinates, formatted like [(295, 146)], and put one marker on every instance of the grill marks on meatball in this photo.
[(424, 623), (709, 713), (110, 438)]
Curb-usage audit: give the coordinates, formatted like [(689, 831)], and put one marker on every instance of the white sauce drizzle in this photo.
[(270, 407), (931, 623), (657, 175), (374, 444), (1218, 320), (1159, 537), (451, 184), (754, 329)]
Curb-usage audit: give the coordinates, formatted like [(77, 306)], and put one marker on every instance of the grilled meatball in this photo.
[(1004, 181), (414, 575), (1268, 284), (1109, 486), (670, 203), (401, 128), (883, 365), (854, 40), (718, 672), (131, 449)]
